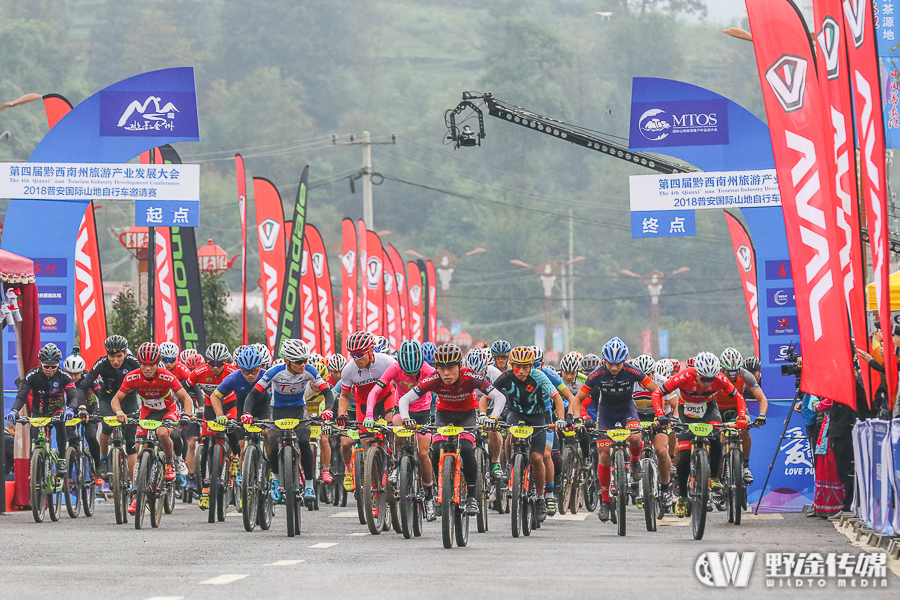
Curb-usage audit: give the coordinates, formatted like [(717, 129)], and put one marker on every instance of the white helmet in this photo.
[(264, 352), (218, 352), (236, 353), (294, 350), (168, 350), (74, 364), (707, 364), (644, 362), (731, 359)]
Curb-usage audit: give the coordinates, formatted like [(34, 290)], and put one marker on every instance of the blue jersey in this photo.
[(236, 383), (615, 390), (289, 389), (526, 397), (557, 383)]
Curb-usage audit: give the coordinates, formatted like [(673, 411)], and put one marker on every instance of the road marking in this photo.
[(357, 533), (223, 579), (284, 563), (345, 514), (570, 517), (323, 545), (674, 522), (762, 517), (166, 598)]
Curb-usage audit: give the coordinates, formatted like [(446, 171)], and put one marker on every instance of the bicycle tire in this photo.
[(213, 470), (291, 507), (576, 487), (155, 491), (481, 520), (38, 478), (372, 489), (738, 489), (527, 516), (448, 506), (699, 491), (461, 525), (249, 487), (649, 487), (406, 485), (117, 476), (88, 491), (622, 488), (71, 490), (54, 485), (169, 497), (266, 508), (566, 479), (359, 467), (591, 487), (142, 481), (517, 508)]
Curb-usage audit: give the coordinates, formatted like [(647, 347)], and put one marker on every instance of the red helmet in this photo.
[(194, 361), (690, 362), (360, 341), (676, 366), (148, 353)]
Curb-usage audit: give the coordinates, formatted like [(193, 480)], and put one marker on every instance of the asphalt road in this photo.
[(335, 557)]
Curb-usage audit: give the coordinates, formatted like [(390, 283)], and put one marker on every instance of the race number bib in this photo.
[(694, 411), (153, 404)]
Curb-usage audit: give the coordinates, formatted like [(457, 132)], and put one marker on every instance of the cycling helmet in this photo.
[(280, 361), (249, 358), (360, 341), (644, 362), (731, 359), (664, 369), (488, 356), (264, 352), (74, 364), (337, 362), (707, 364), (676, 366), (50, 354), (381, 344), (538, 355), (168, 350), (447, 355), (315, 358), (614, 351), (148, 353), (689, 363), (187, 352), (194, 361), (236, 353), (428, 350), (500, 348), (322, 369), (294, 350), (217, 352), (522, 355), (590, 363), (411, 358), (115, 343), (570, 362), (751, 363), (476, 361)]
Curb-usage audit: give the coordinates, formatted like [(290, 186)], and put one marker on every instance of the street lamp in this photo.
[(548, 271), (654, 281), (445, 263)]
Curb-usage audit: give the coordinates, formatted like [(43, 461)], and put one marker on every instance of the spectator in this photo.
[(829, 497)]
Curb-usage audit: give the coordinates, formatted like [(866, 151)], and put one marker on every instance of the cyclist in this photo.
[(357, 379), (181, 439), (615, 380), (287, 384), (428, 349), (482, 362), (500, 350), (552, 452), (589, 364), (51, 392), (156, 390), (743, 380), (698, 386), (528, 389), (643, 399), (403, 376), (752, 364), (74, 365), (569, 372), (109, 372), (455, 388), (315, 403)]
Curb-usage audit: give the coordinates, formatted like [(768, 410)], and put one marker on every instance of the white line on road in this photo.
[(223, 579), (284, 563), (570, 517), (357, 533), (344, 514), (166, 598), (323, 545)]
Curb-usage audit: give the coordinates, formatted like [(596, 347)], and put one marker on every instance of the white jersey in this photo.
[(362, 380), (492, 373)]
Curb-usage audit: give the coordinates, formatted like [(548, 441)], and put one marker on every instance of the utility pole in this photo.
[(654, 281), (366, 173), (570, 279)]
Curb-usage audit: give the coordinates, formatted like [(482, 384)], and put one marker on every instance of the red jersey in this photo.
[(204, 378), (154, 394), (458, 397), (693, 394), (181, 372)]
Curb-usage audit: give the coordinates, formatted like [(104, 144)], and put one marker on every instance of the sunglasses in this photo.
[(298, 362), (169, 360), (732, 373), (707, 379), (50, 367), (217, 363), (357, 355), (251, 371)]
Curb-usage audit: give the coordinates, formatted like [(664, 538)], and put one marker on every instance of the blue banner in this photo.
[(887, 32), (45, 230), (166, 213), (663, 223), (663, 343)]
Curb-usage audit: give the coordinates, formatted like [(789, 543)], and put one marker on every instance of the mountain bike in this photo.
[(338, 494), (733, 495), (377, 493), (410, 492), (570, 473), (256, 497), (119, 473), (151, 487), (651, 500), (78, 479), (292, 477), (483, 484), (322, 491), (454, 519), (522, 490), (619, 487), (46, 484), (221, 471), (698, 492), (589, 477)]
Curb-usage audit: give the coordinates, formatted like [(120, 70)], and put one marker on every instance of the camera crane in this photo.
[(466, 137)]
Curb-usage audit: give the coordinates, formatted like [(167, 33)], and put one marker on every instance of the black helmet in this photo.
[(116, 343), (50, 354)]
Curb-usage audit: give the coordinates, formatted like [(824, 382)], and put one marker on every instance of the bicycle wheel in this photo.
[(359, 467), (88, 490), (141, 487), (406, 483), (118, 471), (575, 492), (448, 506), (266, 507), (699, 490), (71, 489), (291, 502), (649, 486), (566, 479), (481, 464), (169, 497), (737, 490), (249, 487), (527, 515), (591, 487), (622, 487), (517, 509), (38, 498), (501, 500), (214, 467), (372, 486), (156, 492), (461, 524)]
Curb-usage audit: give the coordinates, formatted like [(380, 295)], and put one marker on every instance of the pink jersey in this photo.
[(394, 374)]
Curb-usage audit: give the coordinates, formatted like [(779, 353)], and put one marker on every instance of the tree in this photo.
[(128, 318), (220, 327)]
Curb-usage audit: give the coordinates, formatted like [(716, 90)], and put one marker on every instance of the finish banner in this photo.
[(290, 317), (835, 85), (746, 261), (186, 275), (400, 279), (349, 281), (416, 331), (165, 307), (392, 320), (864, 80), (242, 209), (793, 103), (269, 226), (319, 262), (432, 301), (373, 281), (309, 323), (89, 306)]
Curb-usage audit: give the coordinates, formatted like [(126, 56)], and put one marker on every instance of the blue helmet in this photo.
[(250, 358), (411, 357), (501, 348), (476, 360), (381, 344), (428, 349), (538, 356), (614, 351)]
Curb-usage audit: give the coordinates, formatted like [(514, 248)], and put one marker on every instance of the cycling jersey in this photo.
[(457, 397), (286, 388), (530, 396), (693, 397), (643, 398), (576, 384), (48, 394), (361, 381), (615, 390), (746, 380), (557, 383), (394, 375), (157, 393), (206, 381), (492, 373), (235, 387), (109, 379)]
